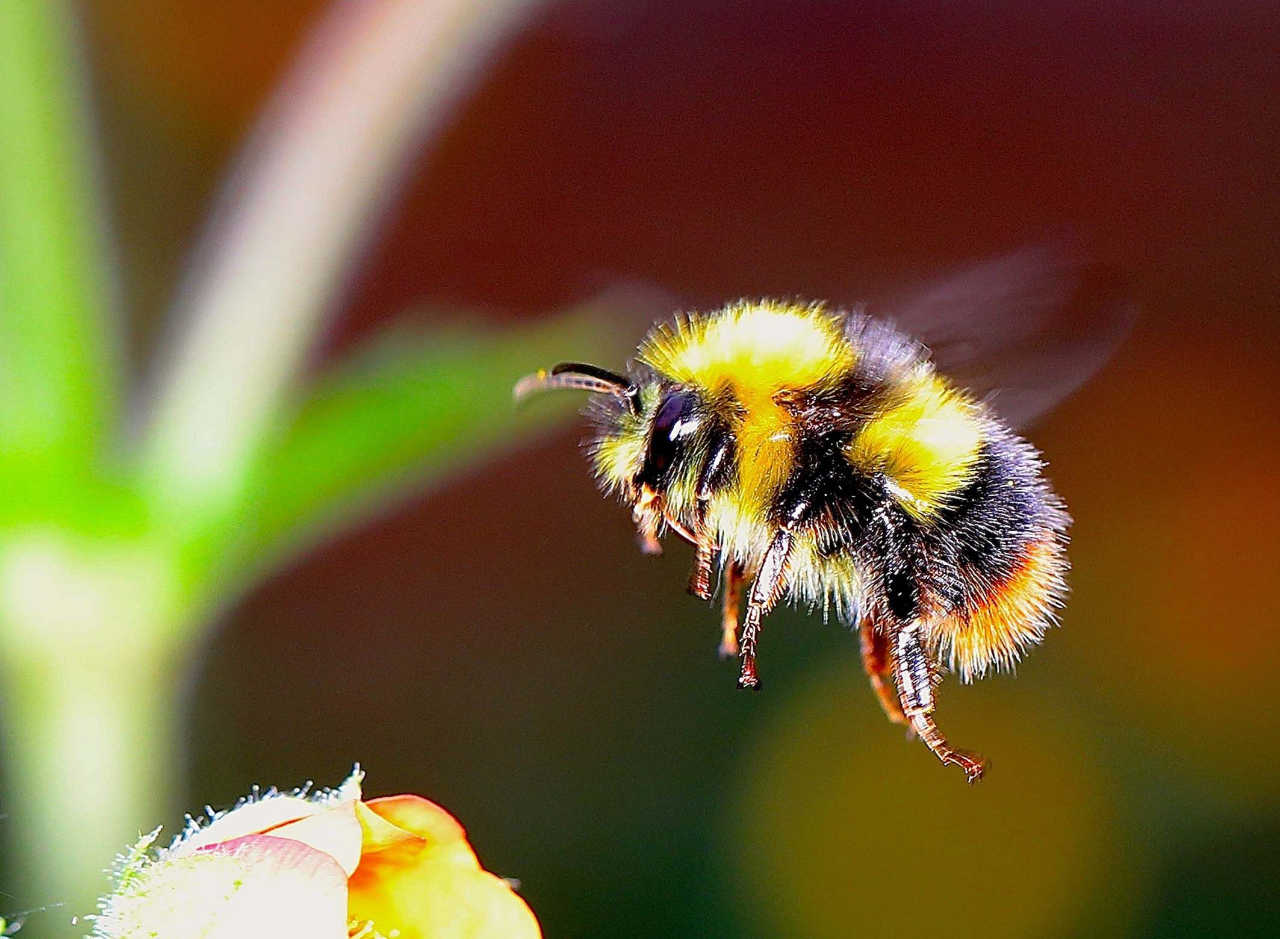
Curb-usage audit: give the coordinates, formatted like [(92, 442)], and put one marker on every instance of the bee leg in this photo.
[(875, 660), (769, 585), (646, 513), (916, 676), (703, 551), (734, 574), (713, 475)]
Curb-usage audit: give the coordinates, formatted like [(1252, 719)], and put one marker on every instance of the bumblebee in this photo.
[(863, 463)]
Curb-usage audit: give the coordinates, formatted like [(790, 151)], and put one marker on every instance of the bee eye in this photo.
[(675, 421)]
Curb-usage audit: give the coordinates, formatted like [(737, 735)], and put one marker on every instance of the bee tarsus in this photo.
[(704, 552), (916, 676)]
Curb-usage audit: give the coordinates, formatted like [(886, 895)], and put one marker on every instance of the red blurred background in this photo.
[(499, 644)]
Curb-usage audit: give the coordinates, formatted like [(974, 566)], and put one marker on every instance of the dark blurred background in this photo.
[(499, 645)]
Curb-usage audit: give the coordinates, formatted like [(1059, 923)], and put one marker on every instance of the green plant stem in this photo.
[(91, 755), (375, 79), (102, 598), (58, 383), (88, 683)]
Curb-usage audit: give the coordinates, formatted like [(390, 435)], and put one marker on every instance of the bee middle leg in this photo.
[(703, 554), (700, 582), (916, 676), (877, 662), (768, 587), (734, 577)]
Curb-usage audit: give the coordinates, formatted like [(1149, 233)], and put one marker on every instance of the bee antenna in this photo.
[(579, 376)]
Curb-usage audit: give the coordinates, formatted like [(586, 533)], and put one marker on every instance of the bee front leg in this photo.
[(916, 676), (646, 513), (769, 585), (876, 662)]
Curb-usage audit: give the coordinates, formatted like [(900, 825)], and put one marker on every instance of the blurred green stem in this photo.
[(90, 753), (88, 705), (112, 563), (375, 78), (59, 367)]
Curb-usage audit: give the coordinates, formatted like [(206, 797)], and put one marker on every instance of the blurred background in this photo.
[(497, 642)]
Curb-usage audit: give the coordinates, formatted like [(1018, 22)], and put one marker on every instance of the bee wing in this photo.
[(1022, 331)]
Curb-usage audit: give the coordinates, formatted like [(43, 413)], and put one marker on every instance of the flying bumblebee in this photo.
[(864, 462)]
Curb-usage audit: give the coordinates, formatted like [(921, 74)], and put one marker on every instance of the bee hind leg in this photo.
[(876, 662), (915, 676)]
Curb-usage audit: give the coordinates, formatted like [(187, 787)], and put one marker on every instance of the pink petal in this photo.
[(250, 819), (257, 887), (289, 889)]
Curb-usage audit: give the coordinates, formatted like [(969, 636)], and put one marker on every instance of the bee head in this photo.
[(647, 433), (670, 431), (650, 458), (645, 443)]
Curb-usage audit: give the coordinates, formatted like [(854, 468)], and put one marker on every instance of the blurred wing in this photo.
[(1022, 331)]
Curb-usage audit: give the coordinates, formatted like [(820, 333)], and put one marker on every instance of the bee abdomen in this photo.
[(1006, 505), (1003, 538)]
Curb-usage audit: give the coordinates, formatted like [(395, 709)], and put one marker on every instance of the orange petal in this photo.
[(437, 900), (420, 816), (380, 835), (425, 881), (413, 817)]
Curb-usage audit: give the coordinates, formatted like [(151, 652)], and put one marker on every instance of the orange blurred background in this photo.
[(500, 645)]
